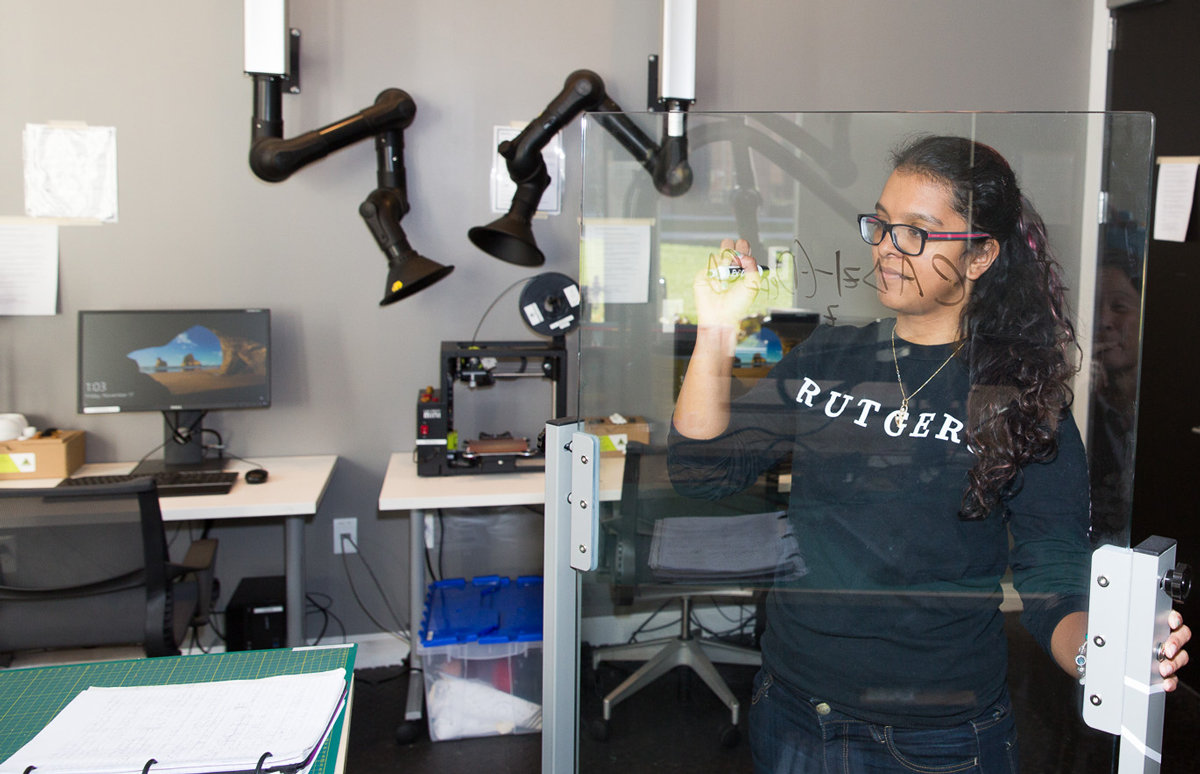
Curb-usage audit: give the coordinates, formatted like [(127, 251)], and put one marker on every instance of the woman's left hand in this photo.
[(1176, 656)]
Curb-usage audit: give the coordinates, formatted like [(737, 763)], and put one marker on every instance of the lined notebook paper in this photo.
[(198, 728)]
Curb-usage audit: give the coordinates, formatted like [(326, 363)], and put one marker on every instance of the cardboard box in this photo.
[(613, 436), (58, 456)]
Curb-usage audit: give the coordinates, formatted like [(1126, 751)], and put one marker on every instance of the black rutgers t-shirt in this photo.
[(897, 618)]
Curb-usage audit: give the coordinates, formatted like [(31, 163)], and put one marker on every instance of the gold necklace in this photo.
[(904, 399)]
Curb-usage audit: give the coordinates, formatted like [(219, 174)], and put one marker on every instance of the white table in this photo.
[(404, 490), (292, 491)]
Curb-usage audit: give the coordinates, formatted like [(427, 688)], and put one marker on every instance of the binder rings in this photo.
[(193, 696)]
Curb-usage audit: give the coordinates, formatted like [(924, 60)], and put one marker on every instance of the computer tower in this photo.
[(256, 616)]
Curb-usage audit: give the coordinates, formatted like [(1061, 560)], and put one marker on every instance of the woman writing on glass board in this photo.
[(918, 444)]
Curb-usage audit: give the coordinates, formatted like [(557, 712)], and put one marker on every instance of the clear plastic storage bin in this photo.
[(481, 652)]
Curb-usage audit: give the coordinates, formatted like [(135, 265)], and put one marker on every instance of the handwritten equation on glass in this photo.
[(844, 277)]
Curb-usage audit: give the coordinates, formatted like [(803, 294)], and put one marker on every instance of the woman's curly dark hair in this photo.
[(1019, 336)]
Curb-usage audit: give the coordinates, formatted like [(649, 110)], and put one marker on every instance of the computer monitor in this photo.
[(181, 362)]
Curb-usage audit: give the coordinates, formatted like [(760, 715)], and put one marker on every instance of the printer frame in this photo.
[(461, 361)]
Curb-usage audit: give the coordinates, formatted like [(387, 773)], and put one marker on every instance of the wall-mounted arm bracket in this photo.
[(275, 159), (510, 237), (292, 78), (273, 61)]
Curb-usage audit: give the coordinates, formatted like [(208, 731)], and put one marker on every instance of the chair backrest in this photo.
[(84, 565)]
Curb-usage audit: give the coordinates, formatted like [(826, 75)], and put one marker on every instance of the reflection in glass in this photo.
[(1114, 394)]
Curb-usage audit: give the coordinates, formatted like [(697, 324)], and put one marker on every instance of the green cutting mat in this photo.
[(30, 698)]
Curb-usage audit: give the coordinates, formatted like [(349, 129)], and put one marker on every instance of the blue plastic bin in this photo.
[(481, 652)]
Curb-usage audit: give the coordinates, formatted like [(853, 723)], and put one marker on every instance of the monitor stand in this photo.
[(182, 449)]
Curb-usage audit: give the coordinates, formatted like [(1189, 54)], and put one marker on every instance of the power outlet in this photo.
[(8, 555), (343, 529)]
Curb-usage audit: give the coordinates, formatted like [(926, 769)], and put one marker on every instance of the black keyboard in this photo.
[(173, 483)]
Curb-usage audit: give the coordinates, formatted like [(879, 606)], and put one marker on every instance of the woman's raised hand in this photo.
[(725, 302), (702, 409)]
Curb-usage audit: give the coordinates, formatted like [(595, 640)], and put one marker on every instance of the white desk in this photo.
[(292, 491), (404, 490)]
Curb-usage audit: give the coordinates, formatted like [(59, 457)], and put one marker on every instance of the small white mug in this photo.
[(14, 427)]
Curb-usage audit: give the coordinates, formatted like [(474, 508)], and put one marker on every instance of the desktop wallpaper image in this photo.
[(201, 359)]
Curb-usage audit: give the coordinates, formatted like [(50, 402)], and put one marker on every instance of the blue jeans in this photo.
[(791, 733)]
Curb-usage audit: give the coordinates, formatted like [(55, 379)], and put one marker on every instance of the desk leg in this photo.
[(293, 570), (416, 602)]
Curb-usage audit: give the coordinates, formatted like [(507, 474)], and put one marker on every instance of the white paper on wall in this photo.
[(71, 171), (28, 269), (615, 257), (1173, 197)]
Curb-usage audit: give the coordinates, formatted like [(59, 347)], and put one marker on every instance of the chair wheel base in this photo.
[(408, 732), (730, 737)]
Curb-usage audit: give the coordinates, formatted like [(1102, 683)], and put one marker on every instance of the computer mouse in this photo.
[(256, 476)]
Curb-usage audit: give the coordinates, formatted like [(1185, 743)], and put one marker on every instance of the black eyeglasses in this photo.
[(909, 240)]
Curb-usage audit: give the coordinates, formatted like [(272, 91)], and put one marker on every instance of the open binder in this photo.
[(273, 724)]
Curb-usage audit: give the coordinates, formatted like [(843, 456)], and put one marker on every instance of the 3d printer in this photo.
[(440, 450), (549, 305)]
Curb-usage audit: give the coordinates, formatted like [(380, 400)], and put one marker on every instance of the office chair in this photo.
[(89, 566), (646, 497)]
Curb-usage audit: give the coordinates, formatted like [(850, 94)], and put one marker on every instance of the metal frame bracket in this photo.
[(584, 499), (1128, 610)]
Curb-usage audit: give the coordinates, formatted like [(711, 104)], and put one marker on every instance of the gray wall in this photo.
[(197, 229)]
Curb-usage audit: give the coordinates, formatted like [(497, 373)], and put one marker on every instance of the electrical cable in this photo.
[(727, 634), (429, 566), (180, 436), (310, 594), (327, 610), (219, 446), (176, 435), (633, 637), (324, 619), (739, 620), (338, 621), (353, 590), (661, 627), (146, 456), (212, 624), (312, 608), (361, 605), (383, 595), (441, 542), (494, 302), (232, 456), (429, 560)]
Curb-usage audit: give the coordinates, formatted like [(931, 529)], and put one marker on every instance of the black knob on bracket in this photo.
[(1178, 582)]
